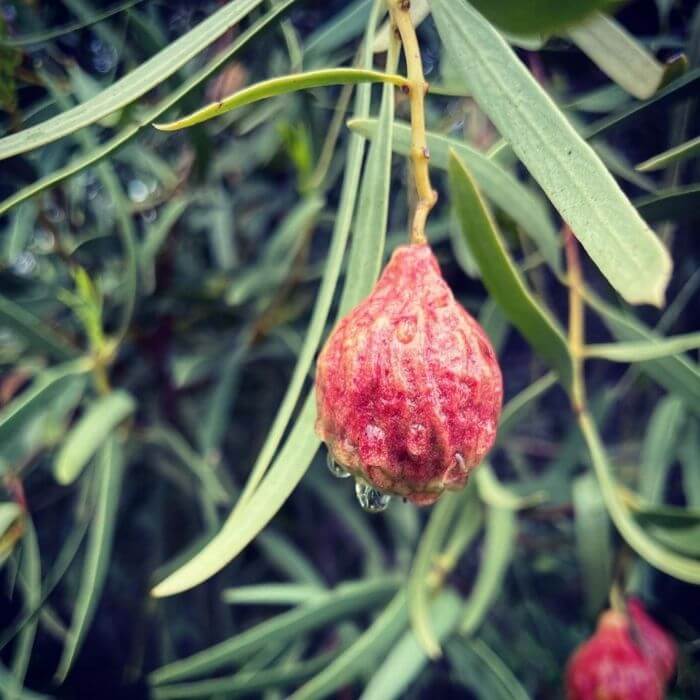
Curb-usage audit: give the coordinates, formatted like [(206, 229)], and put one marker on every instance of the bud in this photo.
[(628, 658), (408, 385)]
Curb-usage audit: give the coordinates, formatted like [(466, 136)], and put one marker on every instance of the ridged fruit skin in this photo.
[(628, 658), (408, 386)]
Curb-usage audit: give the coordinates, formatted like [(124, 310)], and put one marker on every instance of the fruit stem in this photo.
[(576, 320), (417, 88)]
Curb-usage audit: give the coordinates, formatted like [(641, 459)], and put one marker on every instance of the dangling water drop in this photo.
[(335, 468), (370, 499)]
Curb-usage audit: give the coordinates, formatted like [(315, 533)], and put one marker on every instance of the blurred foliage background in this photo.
[(185, 268)]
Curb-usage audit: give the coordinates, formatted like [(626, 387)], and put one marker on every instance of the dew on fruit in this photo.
[(371, 500), (406, 329), (338, 471)]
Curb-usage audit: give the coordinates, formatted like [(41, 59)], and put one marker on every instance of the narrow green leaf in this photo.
[(502, 188), (537, 16), (586, 195), (656, 554), (30, 579), (685, 86), (344, 601), (493, 493), (245, 683), (90, 433), (676, 204), (9, 689), (676, 373), (133, 85), (366, 652), (35, 399), (622, 58), (482, 670), (519, 405), (418, 583), (281, 86), (659, 447), (344, 26), (202, 470), (502, 278), (641, 351), (10, 513), (272, 594), (677, 154), (499, 543), (36, 332), (145, 119), (592, 527), (108, 468), (407, 658)]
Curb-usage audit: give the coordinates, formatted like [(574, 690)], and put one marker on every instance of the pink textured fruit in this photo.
[(408, 386), (623, 660)]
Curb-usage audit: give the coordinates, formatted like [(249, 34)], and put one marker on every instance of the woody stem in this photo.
[(417, 88)]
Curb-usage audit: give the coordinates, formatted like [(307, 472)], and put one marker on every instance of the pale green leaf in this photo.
[(677, 154), (366, 652), (656, 554), (501, 276), (272, 594), (338, 604), (133, 85), (622, 58), (641, 351), (281, 86), (407, 659), (593, 548), (33, 400), (89, 434), (586, 195), (108, 468)]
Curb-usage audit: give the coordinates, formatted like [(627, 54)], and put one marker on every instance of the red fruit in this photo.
[(656, 645), (408, 386), (623, 660)]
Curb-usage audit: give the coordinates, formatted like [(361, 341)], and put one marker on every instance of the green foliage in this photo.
[(164, 297)]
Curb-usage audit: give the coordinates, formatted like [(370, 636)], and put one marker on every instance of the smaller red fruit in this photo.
[(628, 658)]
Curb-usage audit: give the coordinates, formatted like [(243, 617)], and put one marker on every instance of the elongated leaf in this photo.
[(620, 56), (642, 350), (677, 154), (620, 243), (537, 16), (407, 658), (502, 278), (272, 594), (344, 601), (592, 541), (345, 25), (499, 543), (502, 188), (123, 136), (656, 554), (676, 204), (676, 373), (89, 434), (366, 652), (520, 404), (203, 471), (685, 86), (483, 671), (246, 683), (34, 399), (30, 572), (108, 469), (35, 331), (418, 584), (129, 88), (659, 447), (282, 86)]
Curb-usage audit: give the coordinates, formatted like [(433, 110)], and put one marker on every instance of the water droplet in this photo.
[(406, 329), (138, 191), (336, 469), (371, 500)]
